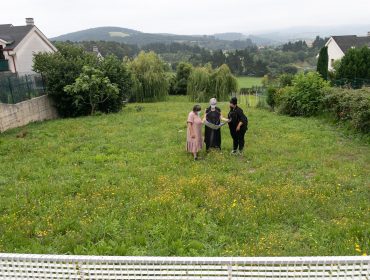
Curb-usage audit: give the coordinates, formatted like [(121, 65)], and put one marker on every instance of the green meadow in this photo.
[(122, 184), (248, 82)]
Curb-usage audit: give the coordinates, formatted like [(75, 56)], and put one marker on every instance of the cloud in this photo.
[(185, 17)]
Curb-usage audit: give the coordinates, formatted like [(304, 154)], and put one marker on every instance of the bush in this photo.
[(353, 106), (92, 88), (118, 74), (62, 68), (305, 97), (285, 80), (355, 64), (271, 97)]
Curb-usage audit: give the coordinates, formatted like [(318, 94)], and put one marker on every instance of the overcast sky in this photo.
[(184, 16)]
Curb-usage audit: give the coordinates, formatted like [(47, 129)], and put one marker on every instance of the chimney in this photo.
[(30, 21)]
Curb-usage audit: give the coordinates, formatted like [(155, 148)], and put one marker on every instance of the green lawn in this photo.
[(122, 184), (248, 82)]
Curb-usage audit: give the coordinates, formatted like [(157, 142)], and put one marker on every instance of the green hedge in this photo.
[(305, 96), (352, 106)]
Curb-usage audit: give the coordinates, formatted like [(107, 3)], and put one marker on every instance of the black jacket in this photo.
[(237, 115)]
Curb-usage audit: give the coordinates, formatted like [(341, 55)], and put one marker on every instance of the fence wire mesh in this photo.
[(18, 266), (15, 89)]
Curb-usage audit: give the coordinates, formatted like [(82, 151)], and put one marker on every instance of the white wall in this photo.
[(30, 45), (334, 53)]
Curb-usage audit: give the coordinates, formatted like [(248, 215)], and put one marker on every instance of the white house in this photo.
[(339, 45), (18, 44)]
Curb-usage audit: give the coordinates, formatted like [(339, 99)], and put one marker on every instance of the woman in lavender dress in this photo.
[(194, 141)]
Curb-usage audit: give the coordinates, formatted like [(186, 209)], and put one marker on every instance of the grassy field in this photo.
[(248, 82), (122, 184)]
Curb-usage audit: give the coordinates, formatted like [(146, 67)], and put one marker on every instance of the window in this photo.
[(2, 57)]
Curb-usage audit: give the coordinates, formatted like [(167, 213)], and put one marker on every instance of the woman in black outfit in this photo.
[(212, 137), (238, 125)]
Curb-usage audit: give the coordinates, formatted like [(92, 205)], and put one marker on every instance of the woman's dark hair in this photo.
[(197, 108)]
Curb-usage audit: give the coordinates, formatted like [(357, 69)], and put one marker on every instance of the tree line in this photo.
[(81, 83), (250, 61)]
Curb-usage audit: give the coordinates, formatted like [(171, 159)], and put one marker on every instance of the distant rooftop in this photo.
[(13, 35), (349, 41)]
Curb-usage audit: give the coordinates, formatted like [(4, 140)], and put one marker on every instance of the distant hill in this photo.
[(225, 41), (129, 36), (231, 36)]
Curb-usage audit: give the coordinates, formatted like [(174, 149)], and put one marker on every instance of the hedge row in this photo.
[(310, 95)]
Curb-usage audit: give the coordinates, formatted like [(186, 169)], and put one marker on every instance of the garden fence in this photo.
[(353, 83), (15, 89), (19, 266), (254, 96)]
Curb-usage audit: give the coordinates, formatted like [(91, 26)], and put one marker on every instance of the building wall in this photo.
[(334, 53), (20, 114), (24, 56)]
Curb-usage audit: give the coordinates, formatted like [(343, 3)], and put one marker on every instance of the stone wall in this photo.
[(36, 109)]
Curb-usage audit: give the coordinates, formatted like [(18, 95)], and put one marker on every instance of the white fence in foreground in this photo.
[(19, 266)]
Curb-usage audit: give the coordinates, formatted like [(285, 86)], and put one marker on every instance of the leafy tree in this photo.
[(319, 42), (199, 84), (285, 80), (150, 82), (305, 97), (223, 83), (183, 72), (60, 69), (118, 73), (323, 62), (65, 66), (289, 69), (355, 64), (91, 88)]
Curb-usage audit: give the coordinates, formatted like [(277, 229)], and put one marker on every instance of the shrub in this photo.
[(118, 74), (305, 97), (92, 88), (353, 106), (355, 64), (271, 97), (285, 80), (62, 68), (150, 82)]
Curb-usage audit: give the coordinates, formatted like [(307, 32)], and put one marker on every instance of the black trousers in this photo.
[(238, 137)]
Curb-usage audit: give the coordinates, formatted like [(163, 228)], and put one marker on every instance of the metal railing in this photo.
[(352, 83), (4, 65), (19, 266), (15, 89)]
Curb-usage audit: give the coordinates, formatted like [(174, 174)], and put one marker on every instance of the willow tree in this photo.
[(199, 84), (150, 82), (223, 83)]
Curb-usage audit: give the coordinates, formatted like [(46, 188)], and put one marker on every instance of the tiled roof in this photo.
[(13, 34), (349, 41)]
